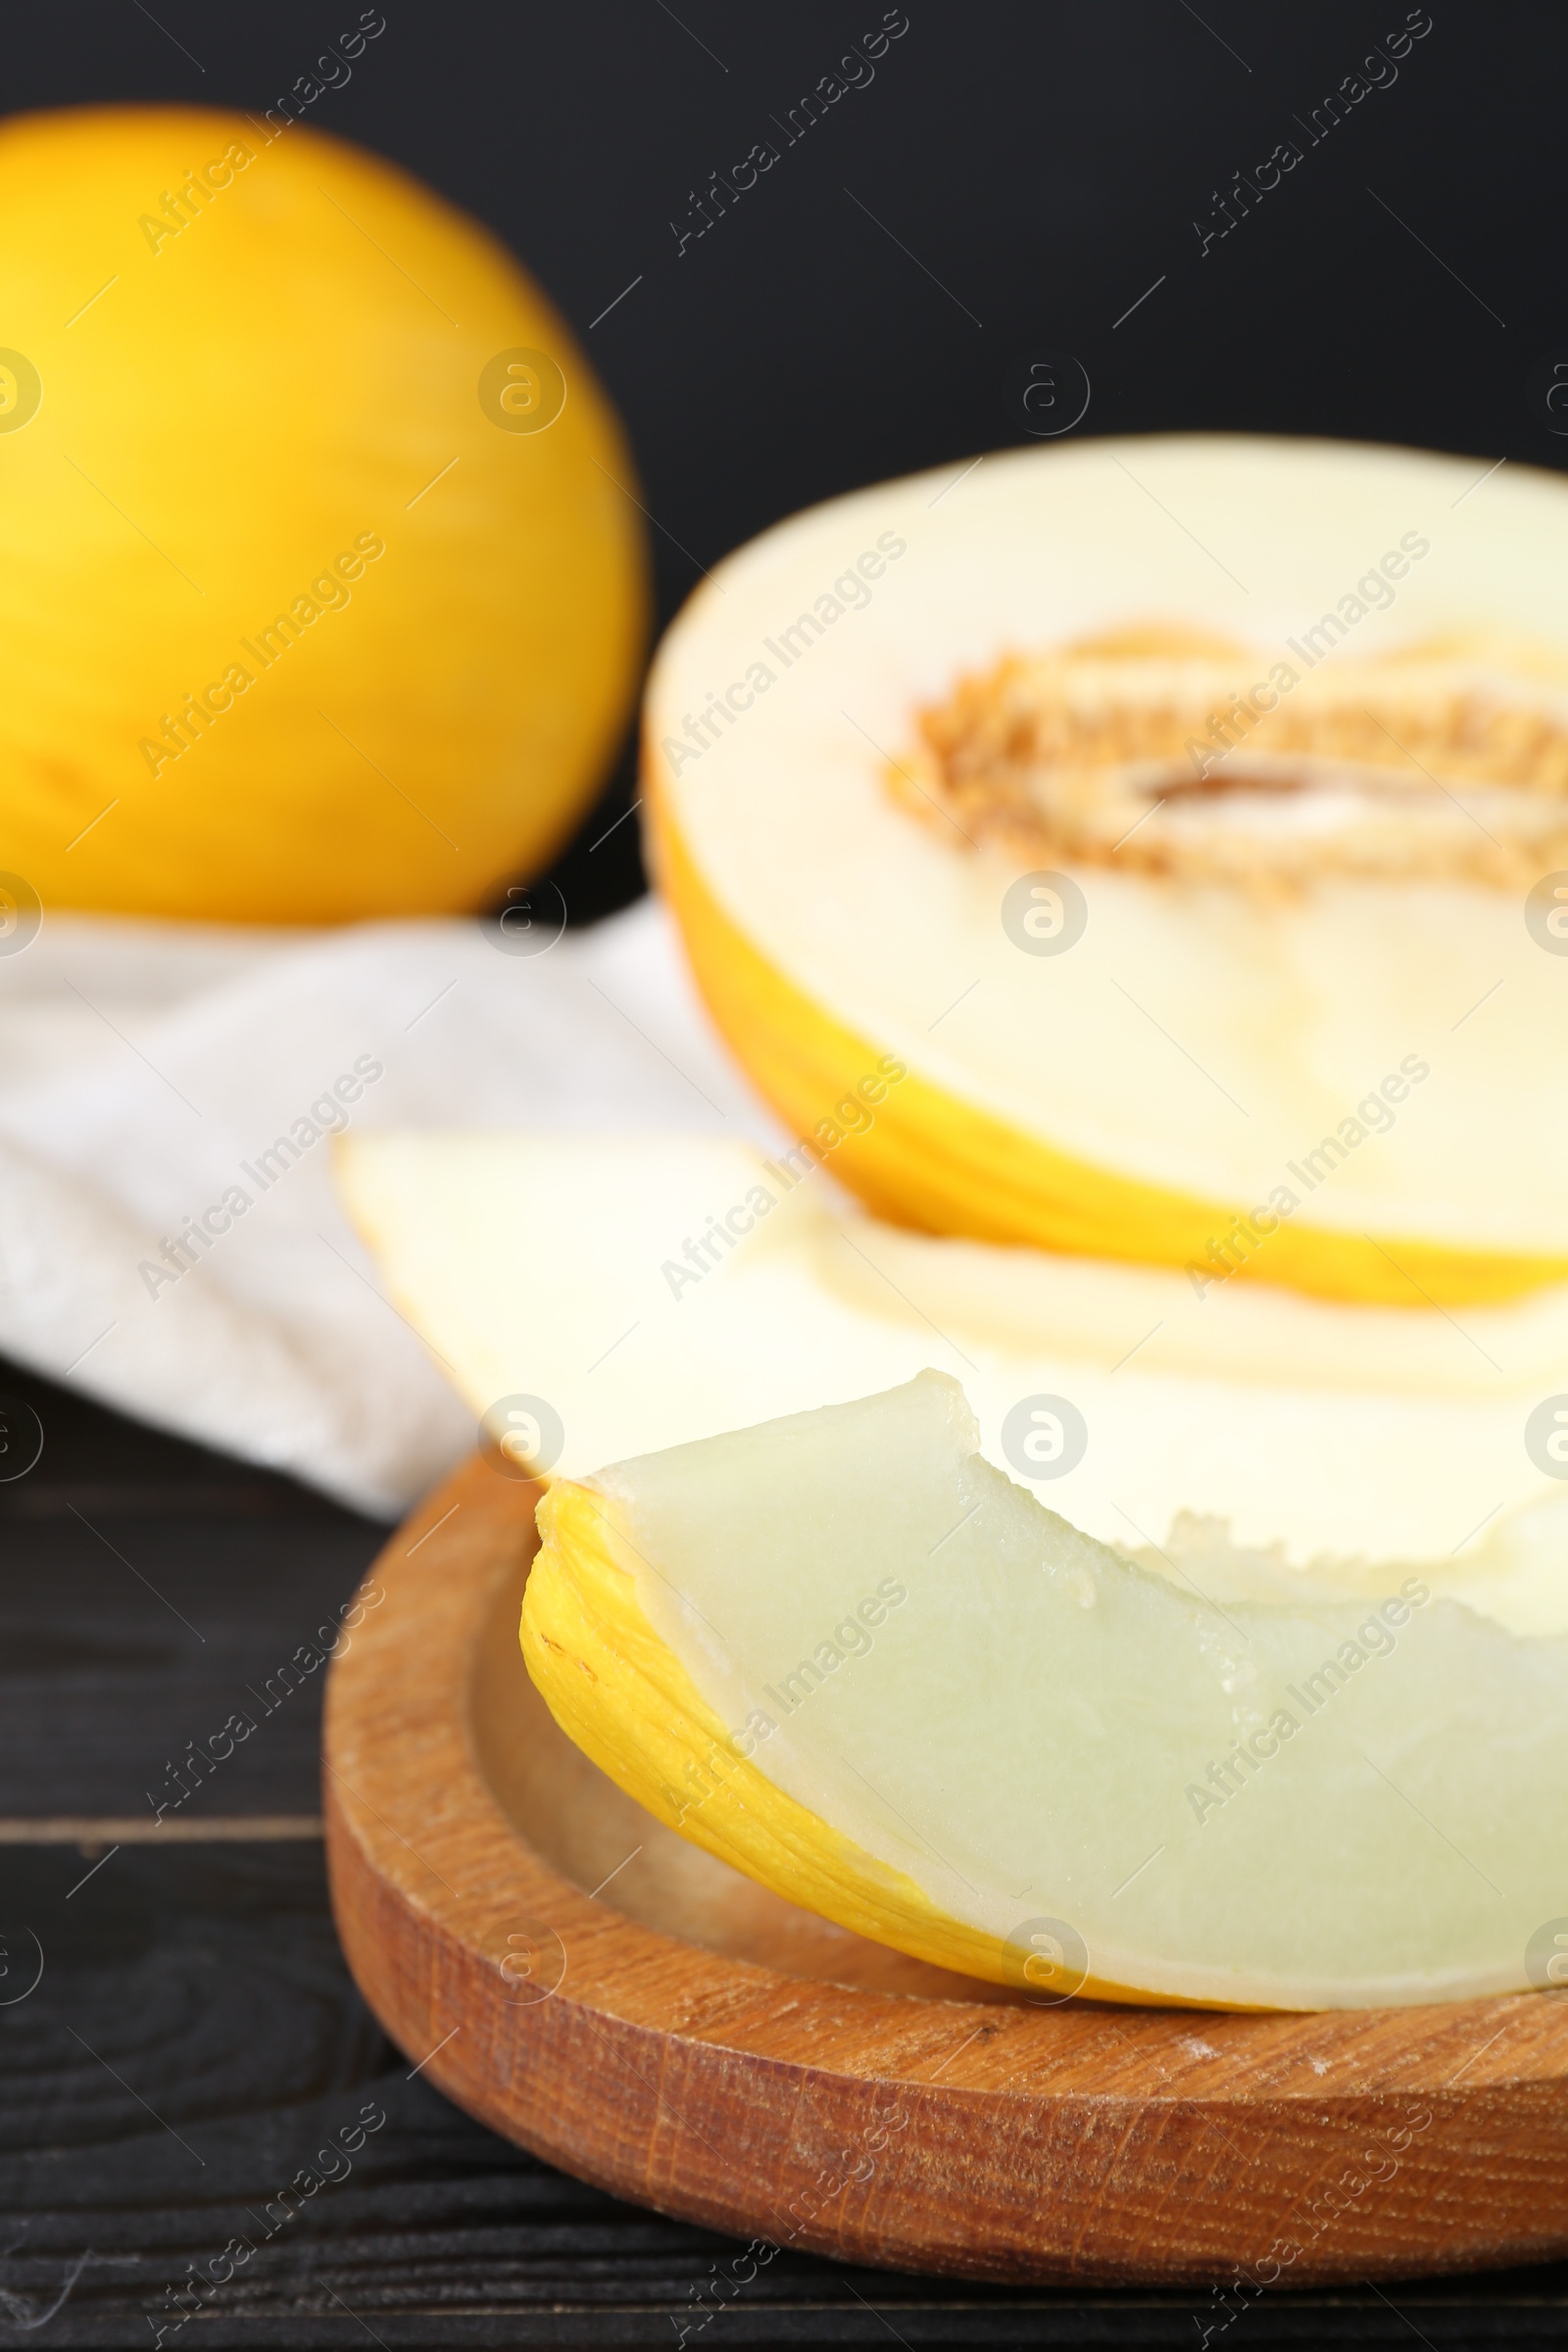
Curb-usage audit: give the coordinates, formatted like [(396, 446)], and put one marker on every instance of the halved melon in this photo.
[(1186, 817), (635, 1293), (844, 1653)]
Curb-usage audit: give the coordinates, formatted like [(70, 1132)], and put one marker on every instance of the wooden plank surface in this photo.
[(194, 2043)]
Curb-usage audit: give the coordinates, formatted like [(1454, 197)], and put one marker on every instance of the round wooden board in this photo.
[(586, 1983)]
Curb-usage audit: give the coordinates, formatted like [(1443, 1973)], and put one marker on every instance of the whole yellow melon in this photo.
[(322, 586)]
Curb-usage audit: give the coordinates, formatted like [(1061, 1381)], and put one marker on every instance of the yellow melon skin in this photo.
[(620, 1694), (236, 390), (935, 1162)]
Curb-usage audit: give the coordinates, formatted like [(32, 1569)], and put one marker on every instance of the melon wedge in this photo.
[(1311, 1028), (846, 1655), (1251, 1445)]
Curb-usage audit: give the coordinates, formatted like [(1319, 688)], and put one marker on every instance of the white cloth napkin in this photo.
[(147, 1068)]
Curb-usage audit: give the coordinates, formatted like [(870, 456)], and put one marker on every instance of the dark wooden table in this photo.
[(194, 2041)]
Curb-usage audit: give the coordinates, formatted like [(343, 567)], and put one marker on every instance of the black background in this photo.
[(1033, 167)]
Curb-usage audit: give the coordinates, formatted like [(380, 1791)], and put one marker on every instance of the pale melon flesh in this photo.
[(1268, 1446), (1299, 1806)]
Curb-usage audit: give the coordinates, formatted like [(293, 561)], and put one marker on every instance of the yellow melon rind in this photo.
[(933, 1162)]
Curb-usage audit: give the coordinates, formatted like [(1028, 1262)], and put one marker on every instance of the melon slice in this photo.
[(1252, 1444), (1223, 939), (846, 1655)]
